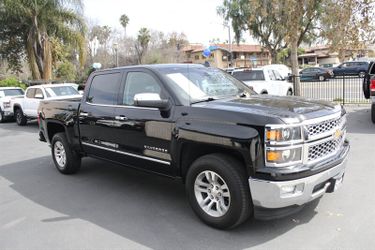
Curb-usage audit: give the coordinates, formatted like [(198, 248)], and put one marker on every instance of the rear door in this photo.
[(31, 102), (143, 135), (96, 116)]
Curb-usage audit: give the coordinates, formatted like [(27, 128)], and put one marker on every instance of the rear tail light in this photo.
[(372, 85)]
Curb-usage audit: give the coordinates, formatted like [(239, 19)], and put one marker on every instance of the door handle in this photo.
[(121, 118), (83, 114)]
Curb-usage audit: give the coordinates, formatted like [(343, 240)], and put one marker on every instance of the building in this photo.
[(322, 55), (244, 55)]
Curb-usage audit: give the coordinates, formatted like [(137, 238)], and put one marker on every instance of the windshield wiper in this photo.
[(208, 99)]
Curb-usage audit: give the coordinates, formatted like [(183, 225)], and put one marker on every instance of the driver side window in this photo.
[(139, 82)]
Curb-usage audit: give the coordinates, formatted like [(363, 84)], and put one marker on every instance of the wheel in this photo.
[(322, 78), (264, 93), (362, 74), (66, 160), (218, 191), (1, 116), (20, 118), (290, 92), (373, 113)]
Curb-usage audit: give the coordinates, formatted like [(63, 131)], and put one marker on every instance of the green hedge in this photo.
[(12, 82)]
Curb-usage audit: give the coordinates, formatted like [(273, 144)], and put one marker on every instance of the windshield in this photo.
[(11, 92), (194, 84), (254, 75), (61, 91)]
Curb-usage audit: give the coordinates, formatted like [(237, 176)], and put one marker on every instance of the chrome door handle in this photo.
[(83, 114), (121, 118)]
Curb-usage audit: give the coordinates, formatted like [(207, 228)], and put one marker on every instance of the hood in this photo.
[(288, 109), (9, 98)]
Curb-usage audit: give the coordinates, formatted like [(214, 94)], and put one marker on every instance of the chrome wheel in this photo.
[(321, 78), (60, 154), (212, 193)]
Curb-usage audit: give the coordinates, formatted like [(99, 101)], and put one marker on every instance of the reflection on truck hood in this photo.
[(289, 109)]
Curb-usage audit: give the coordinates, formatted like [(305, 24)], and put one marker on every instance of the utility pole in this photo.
[(227, 25)]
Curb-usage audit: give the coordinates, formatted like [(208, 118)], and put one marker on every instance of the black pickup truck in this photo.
[(239, 154)]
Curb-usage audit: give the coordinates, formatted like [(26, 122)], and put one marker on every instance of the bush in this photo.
[(12, 82)]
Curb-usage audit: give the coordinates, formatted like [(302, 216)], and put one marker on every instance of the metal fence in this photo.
[(343, 89)]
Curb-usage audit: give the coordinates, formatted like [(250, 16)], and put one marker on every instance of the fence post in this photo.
[(343, 89)]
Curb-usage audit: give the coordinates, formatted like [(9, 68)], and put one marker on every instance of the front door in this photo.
[(96, 115), (143, 135)]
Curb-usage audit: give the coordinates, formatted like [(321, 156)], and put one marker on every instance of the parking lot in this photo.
[(105, 206)]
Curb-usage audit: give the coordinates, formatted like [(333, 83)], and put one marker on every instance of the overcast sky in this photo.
[(196, 18)]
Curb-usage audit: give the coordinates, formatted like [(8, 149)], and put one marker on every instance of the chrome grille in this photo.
[(326, 148), (323, 127)]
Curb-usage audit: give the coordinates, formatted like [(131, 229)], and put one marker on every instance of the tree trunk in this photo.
[(47, 73), (273, 56), (294, 62)]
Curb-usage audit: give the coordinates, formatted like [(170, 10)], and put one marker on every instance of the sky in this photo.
[(196, 18)]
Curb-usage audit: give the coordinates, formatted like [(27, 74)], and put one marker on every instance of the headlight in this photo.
[(282, 157), (286, 134), (6, 104)]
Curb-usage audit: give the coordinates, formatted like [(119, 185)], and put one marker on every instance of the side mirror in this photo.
[(150, 100), (39, 96)]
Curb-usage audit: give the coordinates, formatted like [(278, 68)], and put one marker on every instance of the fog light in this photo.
[(292, 189)]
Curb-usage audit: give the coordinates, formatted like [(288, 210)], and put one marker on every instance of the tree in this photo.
[(142, 42), (28, 27), (264, 19), (124, 20), (349, 29)]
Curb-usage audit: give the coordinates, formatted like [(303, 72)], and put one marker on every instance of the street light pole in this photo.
[(227, 25)]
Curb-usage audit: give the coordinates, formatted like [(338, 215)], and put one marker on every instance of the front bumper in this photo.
[(8, 114), (282, 194)]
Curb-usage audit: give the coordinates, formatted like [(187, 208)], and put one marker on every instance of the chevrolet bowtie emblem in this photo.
[(337, 134)]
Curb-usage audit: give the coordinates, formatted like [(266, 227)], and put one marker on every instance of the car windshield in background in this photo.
[(61, 91), (253, 75), (11, 92), (193, 84)]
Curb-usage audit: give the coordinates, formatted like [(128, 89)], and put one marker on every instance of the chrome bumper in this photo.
[(279, 194)]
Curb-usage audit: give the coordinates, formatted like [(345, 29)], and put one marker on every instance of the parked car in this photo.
[(355, 68), (6, 95), (239, 154), (25, 108), (315, 74), (369, 88), (284, 70), (264, 81)]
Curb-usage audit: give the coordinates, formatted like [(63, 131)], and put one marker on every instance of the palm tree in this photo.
[(141, 45), (43, 22), (124, 20)]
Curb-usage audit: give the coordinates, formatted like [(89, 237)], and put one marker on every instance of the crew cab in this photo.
[(369, 88), (239, 154), (6, 95), (265, 80), (25, 108)]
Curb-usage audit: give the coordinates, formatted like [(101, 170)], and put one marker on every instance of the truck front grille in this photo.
[(323, 127), (321, 150)]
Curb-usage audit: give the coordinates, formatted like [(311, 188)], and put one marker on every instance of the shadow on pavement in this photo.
[(359, 121), (148, 209), (30, 127)]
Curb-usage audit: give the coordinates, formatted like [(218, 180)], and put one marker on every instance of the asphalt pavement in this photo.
[(106, 206)]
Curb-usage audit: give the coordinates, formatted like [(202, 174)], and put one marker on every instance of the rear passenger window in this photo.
[(271, 75), (104, 89)]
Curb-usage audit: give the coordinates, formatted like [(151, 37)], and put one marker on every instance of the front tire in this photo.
[(20, 118), (66, 160), (289, 93), (218, 191), (373, 113), (322, 78), (2, 118)]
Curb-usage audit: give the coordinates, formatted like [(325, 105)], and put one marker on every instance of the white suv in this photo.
[(25, 108), (265, 80), (6, 95)]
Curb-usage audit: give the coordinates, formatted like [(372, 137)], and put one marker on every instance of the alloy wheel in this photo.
[(60, 154)]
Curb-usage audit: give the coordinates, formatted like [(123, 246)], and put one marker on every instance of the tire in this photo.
[(264, 92), (20, 118), (362, 74), (289, 93), (373, 113), (226, 207), (2, 118), (66, 160), (366, 86), (322, 78)]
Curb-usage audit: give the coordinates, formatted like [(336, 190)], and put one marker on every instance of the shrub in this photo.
[(12, 82)]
